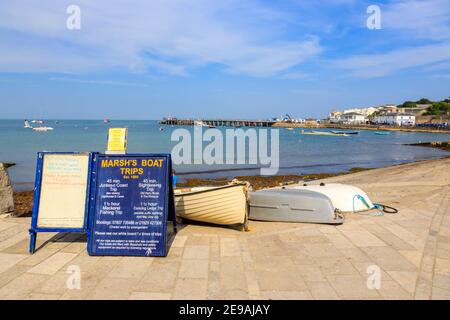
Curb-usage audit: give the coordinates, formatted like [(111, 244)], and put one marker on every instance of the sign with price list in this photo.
[(131, 203)]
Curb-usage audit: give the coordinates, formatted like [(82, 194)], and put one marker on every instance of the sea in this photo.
[(298, 154)]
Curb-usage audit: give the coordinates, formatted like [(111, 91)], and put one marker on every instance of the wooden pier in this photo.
[(217, 122)]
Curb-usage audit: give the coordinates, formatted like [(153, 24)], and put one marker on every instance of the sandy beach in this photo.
[(271, 261)]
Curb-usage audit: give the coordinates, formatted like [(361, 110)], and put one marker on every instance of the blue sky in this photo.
[(236, 59)]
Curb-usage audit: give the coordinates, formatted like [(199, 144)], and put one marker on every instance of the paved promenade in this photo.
[(272, 261)]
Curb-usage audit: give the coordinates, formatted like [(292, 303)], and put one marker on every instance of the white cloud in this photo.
[(377, 65), (170, 36), (428, 19)]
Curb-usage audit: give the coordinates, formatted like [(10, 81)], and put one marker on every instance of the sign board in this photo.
[(117, 140), (61, 194), (131, 202)]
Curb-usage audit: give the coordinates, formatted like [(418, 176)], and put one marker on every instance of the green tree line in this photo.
[(435, 108)]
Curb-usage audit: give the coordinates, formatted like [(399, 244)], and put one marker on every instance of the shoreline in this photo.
[(23, 199), (360, 127)]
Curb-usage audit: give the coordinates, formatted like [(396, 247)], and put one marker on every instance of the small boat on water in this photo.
[(324, 133), (200, 123), (345, 132), (37, 121), (106, 120), (27, 125), (382, 133), (223, 205), (42, 129)]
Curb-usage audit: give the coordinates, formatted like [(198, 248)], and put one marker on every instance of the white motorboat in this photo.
[(42, 129), (200, 123), (27, 125)]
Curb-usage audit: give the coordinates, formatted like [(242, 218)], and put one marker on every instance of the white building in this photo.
[(364, 111), (398, 119), (334, 116), (352, 118), (388, 108)]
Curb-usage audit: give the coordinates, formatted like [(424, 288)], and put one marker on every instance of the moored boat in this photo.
[(345, 132), (42, 129), (27, 125), (223, 205), (324, 133), (382, 133)]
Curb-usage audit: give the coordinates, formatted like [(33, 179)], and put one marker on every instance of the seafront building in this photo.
[(352, 118), (364, 111), (398, 119)]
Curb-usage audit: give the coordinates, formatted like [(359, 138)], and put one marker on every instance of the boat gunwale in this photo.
[(213, 188)]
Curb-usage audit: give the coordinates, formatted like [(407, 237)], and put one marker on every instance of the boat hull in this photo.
[(290, 205), (226, 205)]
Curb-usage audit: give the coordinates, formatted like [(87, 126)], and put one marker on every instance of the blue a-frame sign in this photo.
[(35, 226), (146, 203), (131, 202)]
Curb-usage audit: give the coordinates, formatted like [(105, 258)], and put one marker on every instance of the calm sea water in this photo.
[(299, 154)]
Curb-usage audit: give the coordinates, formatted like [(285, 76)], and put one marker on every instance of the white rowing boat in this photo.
[(324, 133), (224, 205)]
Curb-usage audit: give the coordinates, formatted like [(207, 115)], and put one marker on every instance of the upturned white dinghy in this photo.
[(344, 197), (223, 205)]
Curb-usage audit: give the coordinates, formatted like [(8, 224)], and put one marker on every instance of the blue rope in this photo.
[(375, 206)]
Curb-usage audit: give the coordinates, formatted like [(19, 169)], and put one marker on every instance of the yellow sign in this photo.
[(117, 139)]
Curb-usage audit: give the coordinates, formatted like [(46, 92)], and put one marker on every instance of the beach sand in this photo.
[(408, 252)]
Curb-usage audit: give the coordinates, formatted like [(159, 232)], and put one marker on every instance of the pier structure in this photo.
[(218, 122)]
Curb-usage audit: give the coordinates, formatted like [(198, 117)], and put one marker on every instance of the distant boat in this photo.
[(382, 133), (37, 121), (200, 123), (42, 129), (324, 133), (27, 125), (106, 120), (345, 132)]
